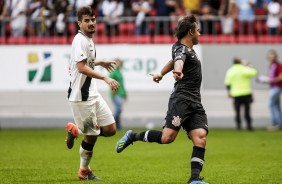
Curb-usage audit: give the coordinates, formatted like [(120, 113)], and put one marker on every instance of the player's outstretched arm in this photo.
[(167, 68), (86, 70), (108, 65)]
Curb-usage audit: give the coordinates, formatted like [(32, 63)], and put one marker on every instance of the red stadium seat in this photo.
[(141, 39), (2, 40), (260, 27), (72, 28), (37, 40), (246, 39), (126, 28), (162, 39), (206, 39), (100, 29), (119, 39), (225, 39), (17, 40), (57, 40), (102, 39), (269, 39)]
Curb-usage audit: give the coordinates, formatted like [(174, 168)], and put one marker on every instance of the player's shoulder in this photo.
[(80, 38), (178, 47)]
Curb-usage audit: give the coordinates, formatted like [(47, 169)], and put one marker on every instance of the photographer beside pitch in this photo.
[(184, 107), (91, 114)]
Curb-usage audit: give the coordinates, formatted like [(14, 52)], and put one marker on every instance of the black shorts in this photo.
[(186, 114)]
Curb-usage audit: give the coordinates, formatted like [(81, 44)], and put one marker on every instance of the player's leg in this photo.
[(105, 119), (237, 107), (108, 130), (86, 152), (197, 129), (166, 136), (85, 117)]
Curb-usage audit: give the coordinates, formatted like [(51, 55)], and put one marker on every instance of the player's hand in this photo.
[(109, 65), (177, 75), (156, 77), (114, 85)]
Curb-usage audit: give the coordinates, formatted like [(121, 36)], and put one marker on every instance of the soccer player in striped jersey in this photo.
[(91, 114)]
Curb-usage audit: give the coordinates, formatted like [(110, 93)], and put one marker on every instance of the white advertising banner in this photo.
[(45, 67)]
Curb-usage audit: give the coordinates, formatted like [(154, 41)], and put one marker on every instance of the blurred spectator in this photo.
[(207, 21), (227, 14), (127, 8), (164, 9), (76, 4), (80, 3), (141, 8), (33, 11), (17, 14), (119, 96), (215, 5), (273, 17), (238, 84), (112, 11), (61, 13), (45, 17), (3, 12), (274, 79), (246, 15), (192, 6)]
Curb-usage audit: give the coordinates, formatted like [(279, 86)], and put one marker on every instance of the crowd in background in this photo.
[(51, 17)]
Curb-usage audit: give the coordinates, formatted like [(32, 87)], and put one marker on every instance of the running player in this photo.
[(184, 108)]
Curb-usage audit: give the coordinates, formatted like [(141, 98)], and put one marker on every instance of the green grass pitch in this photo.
[(232, 157)]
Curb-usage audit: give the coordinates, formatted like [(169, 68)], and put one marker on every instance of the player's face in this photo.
[(87, 25), (195, 38)]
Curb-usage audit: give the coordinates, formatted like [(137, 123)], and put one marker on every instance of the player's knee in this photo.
[(200, 140), (166, 139), (111, 132)]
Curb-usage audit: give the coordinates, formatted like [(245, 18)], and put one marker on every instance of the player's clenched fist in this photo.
[(156, 77), (177, 75)]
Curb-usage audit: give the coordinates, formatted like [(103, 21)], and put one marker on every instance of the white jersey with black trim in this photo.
[(81, 86)]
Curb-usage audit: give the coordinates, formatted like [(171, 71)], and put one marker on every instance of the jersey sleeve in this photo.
[(179, 53), (80, 51), (227, 80)]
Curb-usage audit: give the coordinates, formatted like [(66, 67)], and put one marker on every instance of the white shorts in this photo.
[(91, 114)]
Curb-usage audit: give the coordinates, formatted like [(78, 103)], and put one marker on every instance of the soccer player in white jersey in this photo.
[(91, 114)]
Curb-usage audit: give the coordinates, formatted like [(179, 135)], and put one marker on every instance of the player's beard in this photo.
[(91, 31), (195, 40)]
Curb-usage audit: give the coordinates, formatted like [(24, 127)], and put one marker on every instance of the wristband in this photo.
[(160, 75)]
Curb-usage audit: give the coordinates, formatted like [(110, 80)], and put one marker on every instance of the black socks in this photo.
[(148, 136), (197, 161)]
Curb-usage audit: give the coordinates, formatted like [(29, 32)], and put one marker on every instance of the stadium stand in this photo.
[(160, 28), (127, 36)]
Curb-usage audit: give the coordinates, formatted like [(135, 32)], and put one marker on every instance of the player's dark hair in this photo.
[(85, 10), (185, 25)]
